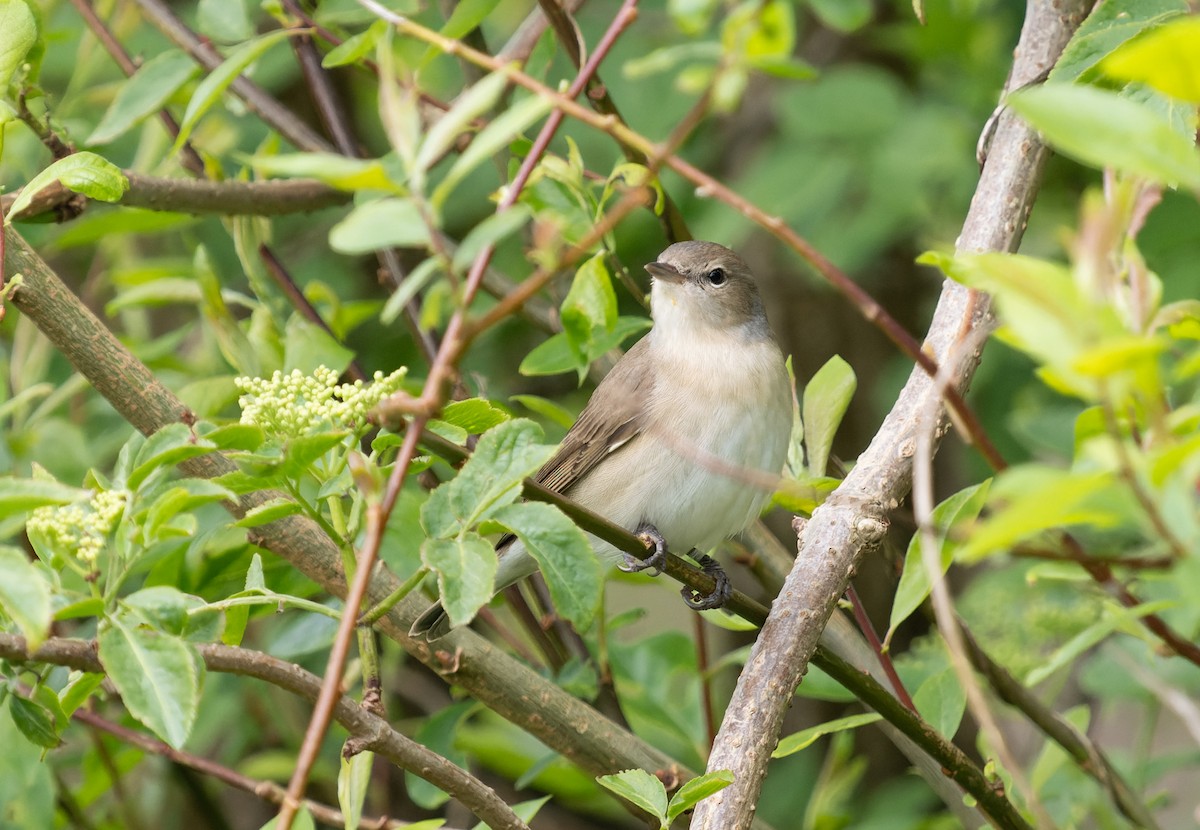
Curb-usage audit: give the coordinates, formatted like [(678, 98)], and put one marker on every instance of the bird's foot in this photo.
[(649, 534), (720, 593)]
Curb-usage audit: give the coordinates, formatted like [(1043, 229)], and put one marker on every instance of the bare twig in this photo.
[(256, 99), (852, 520)]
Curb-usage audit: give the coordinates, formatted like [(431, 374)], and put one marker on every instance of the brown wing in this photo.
[(612, 417)]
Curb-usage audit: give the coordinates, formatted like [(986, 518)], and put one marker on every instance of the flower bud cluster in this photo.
[(294, 404)]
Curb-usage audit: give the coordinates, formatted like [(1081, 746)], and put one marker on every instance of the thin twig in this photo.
[(872, 638)]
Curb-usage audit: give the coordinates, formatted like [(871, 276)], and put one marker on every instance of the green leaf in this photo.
[(475, 415), (24, 595), (1110, 24), (466, 573), (570, 568), (307, 346), (144, 94), (951, 515), (342, 172), (268, 512), (355, 47), (472, 103), (1166, 58), (354, 778), (467, 15), (382, 223), (34, 721), (1034, 498), (413, 282), (20, 33), (489, 232), (1103, 129), (301, 452), (826, 397), (18, 495), (209, 90), (491, 478), (167, 447), (183, 497), (555, 355), (548, 409), (163, 607), (639, 788), (696, 790), (78, 690), (82, 172), (806, 737), (941, 700), (842, 15), (591, 302), (159, 677), (236, 437), (224, 21), (499, 133), (440, 732)]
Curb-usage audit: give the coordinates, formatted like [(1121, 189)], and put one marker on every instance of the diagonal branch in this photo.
[(371, 731), (853, 521)]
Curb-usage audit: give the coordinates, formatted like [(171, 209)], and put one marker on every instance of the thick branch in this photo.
[(232, 198), (371, 731), (852, 521)]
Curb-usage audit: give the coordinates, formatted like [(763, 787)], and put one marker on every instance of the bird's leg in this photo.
[(721, 591), (649, 534)]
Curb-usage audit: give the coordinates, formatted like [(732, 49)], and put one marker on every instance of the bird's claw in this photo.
[(720, 593), (656, 561)]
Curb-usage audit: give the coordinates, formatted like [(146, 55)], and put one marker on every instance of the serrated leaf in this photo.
[(806, 737), (961, 508), (18, 495), (307, 346), (382, 223), (474, 415), (82, 172), (826, 398), (696, 790), (144, 94), (209, 90), (491, 478), (1108, 26), (237, 437), (162, 606), (466, 573), (496, 135), (1166, 58), (1103, 129), (639, 788), (268, 512), (159, 677), (570, 568), (25, 596), (555, 355)]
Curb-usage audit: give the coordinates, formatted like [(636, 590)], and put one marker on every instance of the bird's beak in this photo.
[(663, 271)]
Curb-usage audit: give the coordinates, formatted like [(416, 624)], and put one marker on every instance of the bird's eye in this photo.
[(716, 276)]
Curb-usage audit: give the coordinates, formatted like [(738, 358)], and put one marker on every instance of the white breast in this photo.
[(719, 421)]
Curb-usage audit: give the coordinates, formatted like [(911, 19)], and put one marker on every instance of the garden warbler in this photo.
[(685, 438)]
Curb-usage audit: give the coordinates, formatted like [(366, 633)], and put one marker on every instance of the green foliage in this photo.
[(111, 536)]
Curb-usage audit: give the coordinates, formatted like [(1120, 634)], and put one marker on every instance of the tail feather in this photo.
[(433, 624)]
